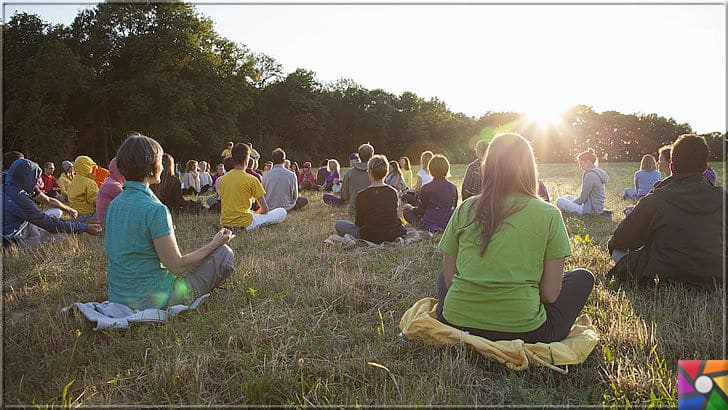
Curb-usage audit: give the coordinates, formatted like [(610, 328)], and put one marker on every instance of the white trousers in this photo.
[(566, 204), (274, 216)]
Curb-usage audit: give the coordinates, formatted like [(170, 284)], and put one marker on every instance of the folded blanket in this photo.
[(117, 316), (347, 241), (420, 322)]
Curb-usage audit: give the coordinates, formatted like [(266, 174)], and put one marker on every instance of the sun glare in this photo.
[(545, 116)]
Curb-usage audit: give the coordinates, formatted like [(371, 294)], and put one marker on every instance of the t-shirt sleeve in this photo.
[(258, 190), (558, 241), (449, 240), (161, 222)]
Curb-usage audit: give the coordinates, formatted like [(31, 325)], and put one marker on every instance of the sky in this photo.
[(538, 59)]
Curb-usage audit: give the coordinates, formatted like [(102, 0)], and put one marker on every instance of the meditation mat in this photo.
[(420, 322), (348, 242)]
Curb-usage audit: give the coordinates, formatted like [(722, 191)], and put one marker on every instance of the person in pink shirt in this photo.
[(112, 186), (306, 179)]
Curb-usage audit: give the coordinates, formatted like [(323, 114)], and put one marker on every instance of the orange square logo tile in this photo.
[(702, 384)]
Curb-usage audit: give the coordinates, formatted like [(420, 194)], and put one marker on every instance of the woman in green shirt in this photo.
[(504, 253)]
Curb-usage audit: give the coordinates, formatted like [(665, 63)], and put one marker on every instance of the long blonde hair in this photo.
[(648, 163), (509, 167), (425, 159)]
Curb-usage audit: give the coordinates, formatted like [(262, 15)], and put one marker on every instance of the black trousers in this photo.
[(560, 315)]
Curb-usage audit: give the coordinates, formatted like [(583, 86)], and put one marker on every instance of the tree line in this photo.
[(161, 69)]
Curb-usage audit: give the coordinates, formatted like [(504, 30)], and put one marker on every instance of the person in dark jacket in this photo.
[(376, 208), (169, 190), (23, 222), (472, 180), (675, 232)]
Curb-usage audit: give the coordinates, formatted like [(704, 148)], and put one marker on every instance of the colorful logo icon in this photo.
[(702, 384)]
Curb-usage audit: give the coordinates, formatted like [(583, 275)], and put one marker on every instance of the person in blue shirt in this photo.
[(644, 179), (146, 269), (23, 222)]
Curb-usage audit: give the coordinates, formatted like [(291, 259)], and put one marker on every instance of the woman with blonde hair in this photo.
[(593, 195), (423, 178), (191, 179), (644, 179), (333, 178), (376, 208), (503, 256), (404, 165)]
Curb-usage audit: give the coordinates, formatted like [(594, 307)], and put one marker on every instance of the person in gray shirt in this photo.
[(281, 185), (355, 180), (593, 195)]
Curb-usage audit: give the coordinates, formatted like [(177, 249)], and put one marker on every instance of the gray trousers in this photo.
[(560, 316), (343, 227), (212, 272)]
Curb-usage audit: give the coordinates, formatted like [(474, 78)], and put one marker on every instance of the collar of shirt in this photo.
[(138, 186)]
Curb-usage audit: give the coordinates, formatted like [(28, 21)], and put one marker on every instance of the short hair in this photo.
[(239, 152), (378, 166), (480, 148), (648, 163), (324, 163), (664, 153), (689, 154), (439, 166), (587, 155), (10, 157), (228, 163), (48, 163), (138, 157), (365, 152), (278, 156)]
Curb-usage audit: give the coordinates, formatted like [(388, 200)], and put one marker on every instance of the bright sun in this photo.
[(545, 116)]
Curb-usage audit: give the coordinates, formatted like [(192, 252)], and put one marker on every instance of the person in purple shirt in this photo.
[(437, 200), (332, 175)]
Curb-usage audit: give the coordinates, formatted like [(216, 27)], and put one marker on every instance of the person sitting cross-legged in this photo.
[(593, 194), (146, 269), (503, 256), (24, 224), (84, 190), (675, 232), (238, 190), (355, 180), (376, 208), (436, 201), (306, 179), (281, 185), (644, 179)]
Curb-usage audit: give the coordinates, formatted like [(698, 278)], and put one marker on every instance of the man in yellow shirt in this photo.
[(238, 190), (227, 152)]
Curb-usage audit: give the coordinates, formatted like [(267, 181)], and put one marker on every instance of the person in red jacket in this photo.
[(50, 185), (306, 179)]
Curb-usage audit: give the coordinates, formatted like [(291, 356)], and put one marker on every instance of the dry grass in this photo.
[(299, 321)]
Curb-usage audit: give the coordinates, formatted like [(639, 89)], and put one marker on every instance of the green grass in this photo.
[(300, 320)]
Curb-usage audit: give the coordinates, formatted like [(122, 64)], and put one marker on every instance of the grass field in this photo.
[(299, 320)]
